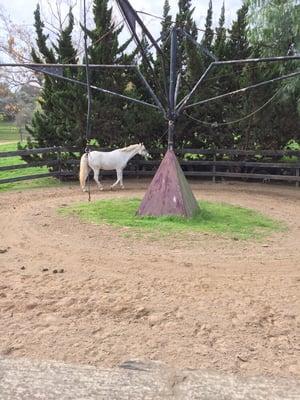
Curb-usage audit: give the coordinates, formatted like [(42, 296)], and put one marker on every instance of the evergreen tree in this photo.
[(220, 41), (59, 120), (144, 124), (165, 28), (184, 21), (146, 70), (208, 37), (166, 25), (212, 131), (238, 46), (273, 28), (107, 125), (46, 53), (192, 66)]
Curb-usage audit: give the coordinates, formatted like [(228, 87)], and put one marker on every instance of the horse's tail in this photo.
[(84, 170)]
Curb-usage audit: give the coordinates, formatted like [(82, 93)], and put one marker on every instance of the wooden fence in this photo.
[(260, 165), (53, 164)]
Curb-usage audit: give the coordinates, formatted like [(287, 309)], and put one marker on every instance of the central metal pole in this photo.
[(171, 131), (89, 95), (172, 89)]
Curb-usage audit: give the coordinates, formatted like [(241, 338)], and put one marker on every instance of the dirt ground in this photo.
[(191, 300)]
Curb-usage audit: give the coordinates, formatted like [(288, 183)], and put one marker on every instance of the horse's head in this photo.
[(142, 151)]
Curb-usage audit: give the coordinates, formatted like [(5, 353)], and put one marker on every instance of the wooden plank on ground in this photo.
[(22, 379)]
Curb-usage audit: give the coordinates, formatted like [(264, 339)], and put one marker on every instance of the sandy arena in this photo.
[(192, 300)]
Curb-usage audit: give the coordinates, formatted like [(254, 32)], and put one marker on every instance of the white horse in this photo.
[(116, 159)]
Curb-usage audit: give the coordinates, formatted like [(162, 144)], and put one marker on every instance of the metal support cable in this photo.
[(222, 96), (257, 60), (101, 37), (216, 124), (42, 65), (199, 45), (182, 103), (97, 88)]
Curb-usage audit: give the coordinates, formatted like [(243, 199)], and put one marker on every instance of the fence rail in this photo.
[(54, 164), (280, 165)]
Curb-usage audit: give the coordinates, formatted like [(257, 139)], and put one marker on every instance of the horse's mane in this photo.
[(129, 148)]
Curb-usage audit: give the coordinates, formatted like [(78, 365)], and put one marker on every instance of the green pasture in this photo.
[(8, 132), (34, 183)]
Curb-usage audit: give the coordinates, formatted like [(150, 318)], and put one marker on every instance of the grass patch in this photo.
[(34, 183), (219, 218), (8, 132)]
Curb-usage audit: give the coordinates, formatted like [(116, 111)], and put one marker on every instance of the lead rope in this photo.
[(88, 116), (87, 150)]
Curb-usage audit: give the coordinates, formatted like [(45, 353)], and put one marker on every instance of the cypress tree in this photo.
[(59, 121), (185, 22), (192, 66), (107, 111), (144, 124), (46, 53), (238, 46), (220, 41), (166, 25), (208, 36)]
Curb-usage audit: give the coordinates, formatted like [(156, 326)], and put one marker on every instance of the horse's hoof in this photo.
[(84, 190), (101, 188), (122, 187)]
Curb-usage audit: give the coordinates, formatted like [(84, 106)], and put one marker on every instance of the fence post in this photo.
[(214, 168), (59, 162)]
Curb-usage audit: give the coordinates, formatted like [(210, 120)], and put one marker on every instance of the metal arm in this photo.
[(184, 101), (221, 96), (98, 89)]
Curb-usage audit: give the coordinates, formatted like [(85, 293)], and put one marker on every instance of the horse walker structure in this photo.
[(169, 192)]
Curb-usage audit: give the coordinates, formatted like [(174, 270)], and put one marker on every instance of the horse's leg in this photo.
[(119, 177), (96, 178)]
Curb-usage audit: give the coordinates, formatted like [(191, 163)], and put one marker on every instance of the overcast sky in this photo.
[(21, 11)]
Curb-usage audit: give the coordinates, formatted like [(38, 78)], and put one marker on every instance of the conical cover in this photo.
[(169, 192)]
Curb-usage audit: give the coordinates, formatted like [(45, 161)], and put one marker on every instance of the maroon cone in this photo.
[(169, 192)]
